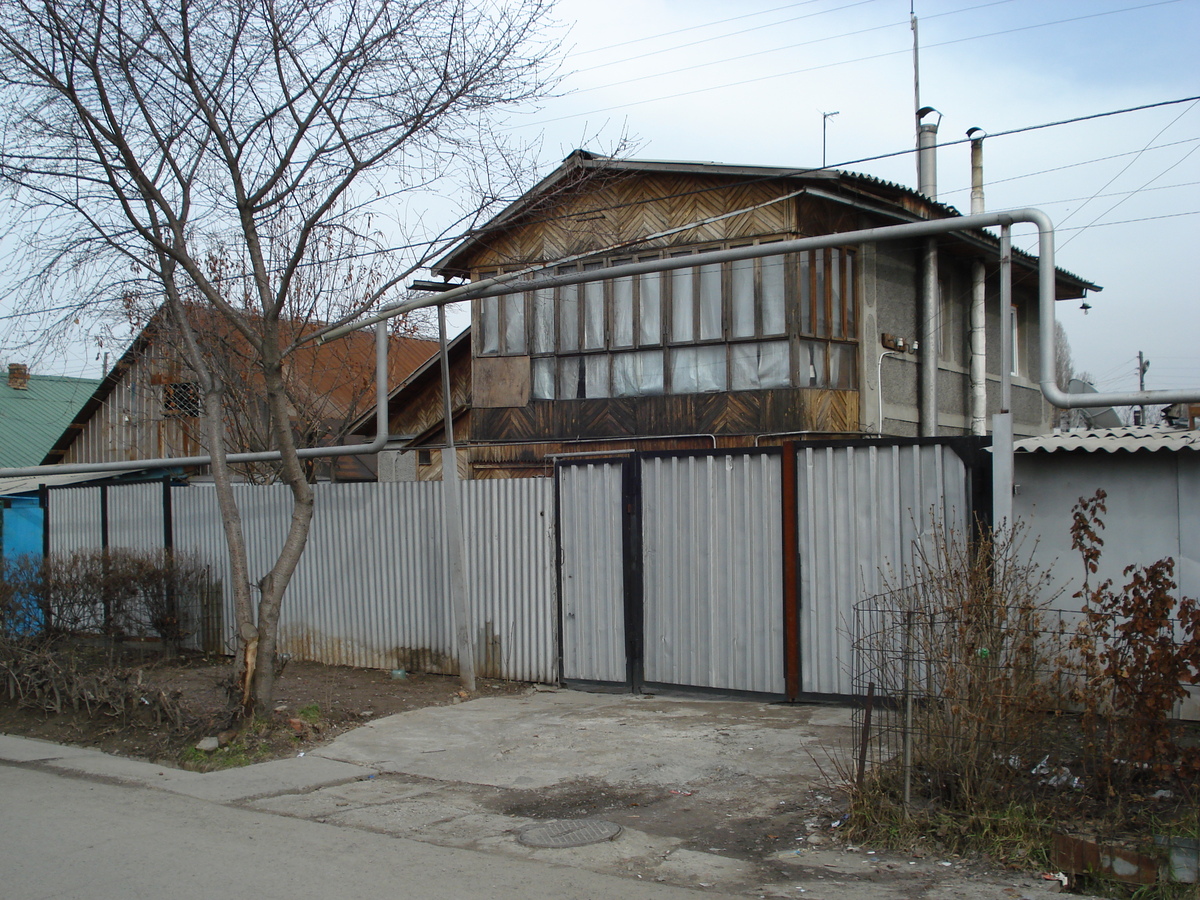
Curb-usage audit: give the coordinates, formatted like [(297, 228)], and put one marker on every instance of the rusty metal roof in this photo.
[(1127, 439)]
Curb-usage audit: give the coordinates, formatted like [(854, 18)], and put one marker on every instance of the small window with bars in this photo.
[(181, 400)]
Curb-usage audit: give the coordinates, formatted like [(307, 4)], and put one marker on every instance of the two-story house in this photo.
[(735, 354)]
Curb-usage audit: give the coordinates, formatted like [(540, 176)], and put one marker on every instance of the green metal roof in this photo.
[(31, 420)]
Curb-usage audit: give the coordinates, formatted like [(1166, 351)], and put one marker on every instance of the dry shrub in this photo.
[(117, 594), (62, 621), (53, 676), (1135, 652), (999, 720), (966, 670)]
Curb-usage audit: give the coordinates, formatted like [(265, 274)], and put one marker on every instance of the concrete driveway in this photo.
[(726, 796), (730, 796)]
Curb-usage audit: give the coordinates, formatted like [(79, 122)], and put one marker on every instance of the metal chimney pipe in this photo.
[(976, 136), (931, 308), (927, 152), (978, 317)]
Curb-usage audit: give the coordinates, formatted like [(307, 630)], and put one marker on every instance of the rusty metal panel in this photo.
[(371, 588), (368, 590), (862, 510), (509, 526), (593, 593), (712, 550)]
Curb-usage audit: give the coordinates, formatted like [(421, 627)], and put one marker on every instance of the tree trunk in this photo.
[(274, 584)]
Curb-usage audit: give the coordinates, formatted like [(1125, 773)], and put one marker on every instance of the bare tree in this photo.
[(216, 148)]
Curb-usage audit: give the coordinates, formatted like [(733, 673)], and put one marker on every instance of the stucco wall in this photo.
[(891, 304)]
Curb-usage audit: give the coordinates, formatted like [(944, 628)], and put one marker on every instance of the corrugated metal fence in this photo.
[(371, 588), (712, 551), (862, 511), (687, 552), (593, 572), (671, 569)]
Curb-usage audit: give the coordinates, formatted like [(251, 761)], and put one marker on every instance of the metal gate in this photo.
[(591, 593), (738, 570), (713, 584)]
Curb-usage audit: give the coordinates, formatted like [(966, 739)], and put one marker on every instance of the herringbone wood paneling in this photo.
[(741, 412), (600, 213)]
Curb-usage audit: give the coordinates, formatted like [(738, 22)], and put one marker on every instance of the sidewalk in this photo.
[(721, 796), (74, 840)]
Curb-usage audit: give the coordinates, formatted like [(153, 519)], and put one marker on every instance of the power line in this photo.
[(785, 173), (1134, 192), (793, 173), (721, 37), (906, 50), (1086, 162), (663, 34), (51, 309), (1136, 157), (1193, 212), (756, 53), (731, 59), (1161, 187)]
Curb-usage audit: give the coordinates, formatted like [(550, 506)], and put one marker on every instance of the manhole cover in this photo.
[(569, 833)]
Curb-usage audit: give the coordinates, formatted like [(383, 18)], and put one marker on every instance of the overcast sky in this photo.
[(748, 82)]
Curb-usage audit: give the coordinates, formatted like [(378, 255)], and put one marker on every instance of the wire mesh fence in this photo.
[(978, 695)]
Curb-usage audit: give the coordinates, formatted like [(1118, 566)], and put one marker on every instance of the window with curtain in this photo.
[(778, 321)]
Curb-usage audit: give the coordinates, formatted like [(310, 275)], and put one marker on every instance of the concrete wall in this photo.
[(891, 289)]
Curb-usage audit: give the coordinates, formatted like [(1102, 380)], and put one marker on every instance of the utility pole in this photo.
[(1143, 365)]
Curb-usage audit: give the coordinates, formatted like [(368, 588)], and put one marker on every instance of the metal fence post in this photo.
[(908, 706)]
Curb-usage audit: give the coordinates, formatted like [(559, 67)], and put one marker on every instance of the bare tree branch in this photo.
[(218, 152)]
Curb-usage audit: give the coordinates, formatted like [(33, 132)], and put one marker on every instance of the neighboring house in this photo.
[(148, 406), (34, 410), (713, 356), (1151, 476)]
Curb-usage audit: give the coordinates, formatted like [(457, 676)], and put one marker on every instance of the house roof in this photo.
[(325, 362), (1127, 439), (884, 197), (29, 484), (31, 419), (458, 350)]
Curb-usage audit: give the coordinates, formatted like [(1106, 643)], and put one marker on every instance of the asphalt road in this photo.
[(66, 837)]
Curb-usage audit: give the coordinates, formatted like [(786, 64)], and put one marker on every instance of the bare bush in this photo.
[(115, 594), (961, 657), (1134, 655), (62, 621)]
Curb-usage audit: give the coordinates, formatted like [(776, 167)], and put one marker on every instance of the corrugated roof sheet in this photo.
[(1112, 440), (28, 484), (32, 419)]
